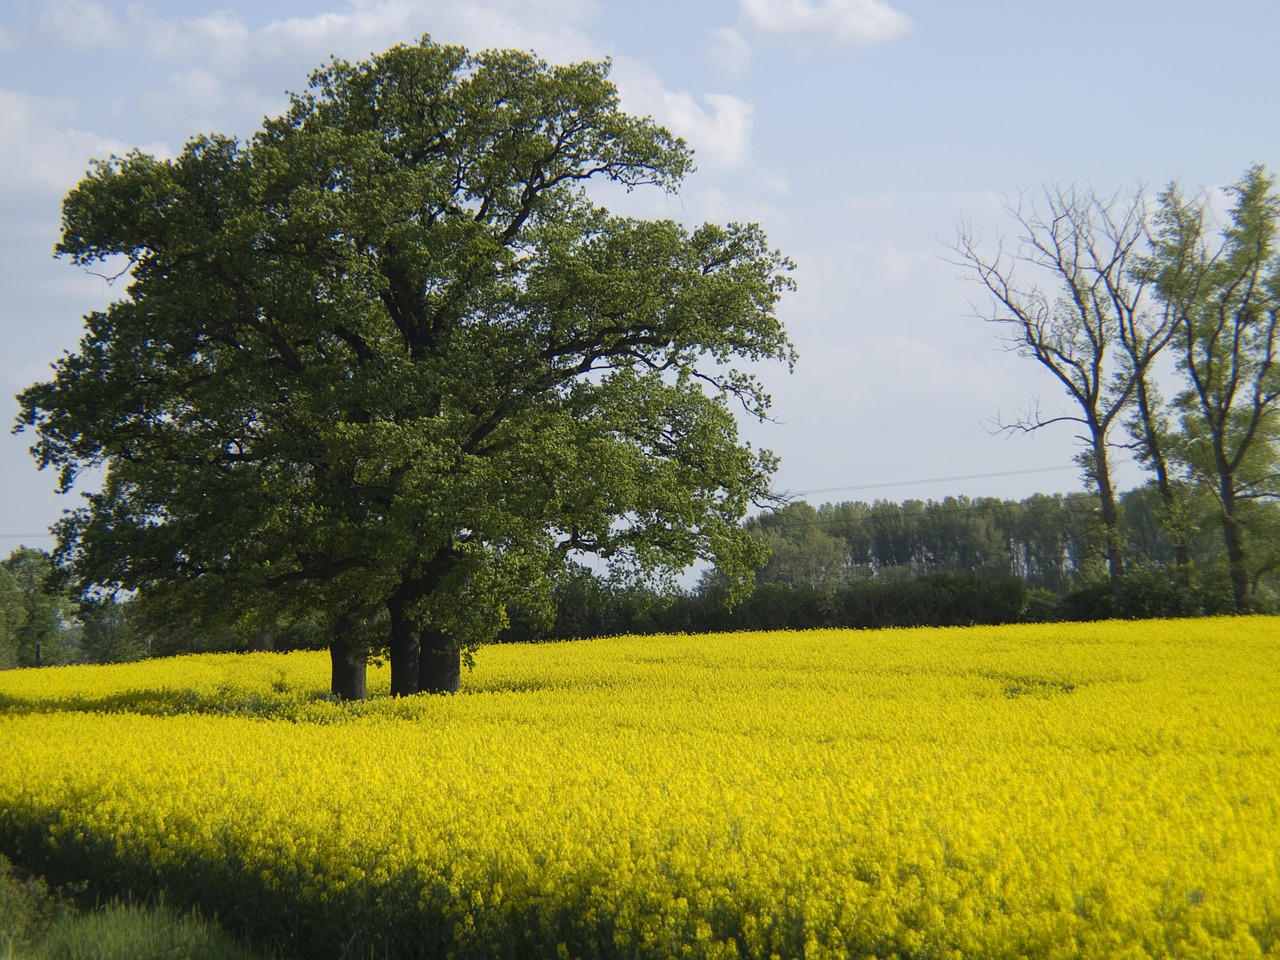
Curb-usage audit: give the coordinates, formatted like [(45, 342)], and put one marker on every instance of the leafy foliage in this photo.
[(1225, 298), (39, 924), (36, 611), (388, 361), (27, 908)]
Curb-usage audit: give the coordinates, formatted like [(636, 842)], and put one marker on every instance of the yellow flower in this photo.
[(1075, 790)]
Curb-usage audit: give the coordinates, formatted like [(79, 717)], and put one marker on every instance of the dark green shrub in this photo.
[(27, 909), (1041, 606)]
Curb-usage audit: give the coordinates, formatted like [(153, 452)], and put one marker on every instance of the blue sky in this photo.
[(858, 132)]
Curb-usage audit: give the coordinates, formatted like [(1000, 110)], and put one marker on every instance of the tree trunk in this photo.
[(422, 659), (263, 640), (439, 663), (1175, 523), (405, 649), (349, 671), (1110, 519), (1233, 538)]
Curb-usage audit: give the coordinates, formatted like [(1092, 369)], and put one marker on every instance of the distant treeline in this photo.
[(1053, 543), (943, 562), (946, 562)]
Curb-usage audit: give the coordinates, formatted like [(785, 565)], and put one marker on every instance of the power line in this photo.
[(791, 493), (912, 483), (794, 493), (933, 509)]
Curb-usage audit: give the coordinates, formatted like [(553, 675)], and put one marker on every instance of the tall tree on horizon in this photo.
[(1224, 295), (1066, 295)]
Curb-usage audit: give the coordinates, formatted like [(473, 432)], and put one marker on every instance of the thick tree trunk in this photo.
[(422, 659), (348, 671), (439, 663), (405, 651)]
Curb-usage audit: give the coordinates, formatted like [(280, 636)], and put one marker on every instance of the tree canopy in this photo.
[(1224, 297), (35, 611), (389, 361)]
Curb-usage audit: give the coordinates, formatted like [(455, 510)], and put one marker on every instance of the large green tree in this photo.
[(1222, 286), (389, 360)]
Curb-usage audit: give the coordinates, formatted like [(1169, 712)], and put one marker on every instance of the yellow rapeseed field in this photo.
[(1105, 790)]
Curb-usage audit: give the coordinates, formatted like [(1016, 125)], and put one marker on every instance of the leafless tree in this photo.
[(1066, 294)]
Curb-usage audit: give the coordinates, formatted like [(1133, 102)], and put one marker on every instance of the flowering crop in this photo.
[(1082, 790)]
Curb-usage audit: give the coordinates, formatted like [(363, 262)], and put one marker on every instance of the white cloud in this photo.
[(231, 74), (716, 125), (38, 153), (221, 31), (730, 53), (79, 23), (720, 131), (193, 101), (825, 22), (552, 27)]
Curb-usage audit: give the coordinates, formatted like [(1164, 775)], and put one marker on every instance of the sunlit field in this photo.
[(1075, 790)]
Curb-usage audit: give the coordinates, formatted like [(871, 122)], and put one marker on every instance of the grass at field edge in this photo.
[(37, 923)]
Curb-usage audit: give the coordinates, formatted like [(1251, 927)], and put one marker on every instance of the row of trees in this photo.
[(589, 607), (950, 562), (945, 562), (1050, 543), (43, 623), (1106, 295), (46, 621)]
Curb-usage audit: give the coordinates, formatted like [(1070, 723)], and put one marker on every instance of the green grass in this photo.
[(38, 924), (131, 932)]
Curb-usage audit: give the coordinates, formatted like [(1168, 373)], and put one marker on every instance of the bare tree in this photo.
[(1067, 295)]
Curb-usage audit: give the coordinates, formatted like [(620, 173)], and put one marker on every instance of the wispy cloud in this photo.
[(555, 28), (228, 71), (39, 153), (802, 25), (730, 53), (718, 127), (81, 23), (825, 22)]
